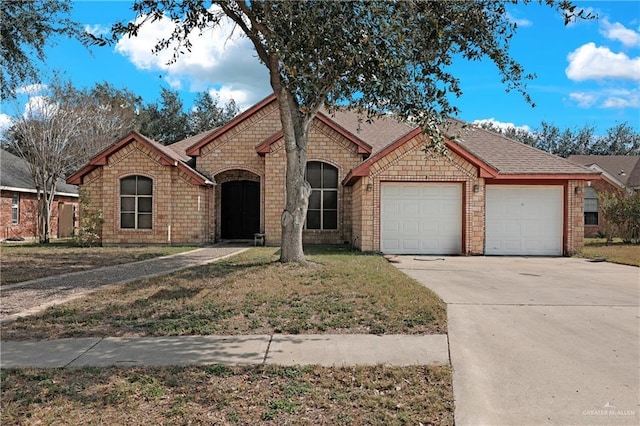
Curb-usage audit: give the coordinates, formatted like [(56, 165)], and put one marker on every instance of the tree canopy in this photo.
[(620, 139), (25, 27)]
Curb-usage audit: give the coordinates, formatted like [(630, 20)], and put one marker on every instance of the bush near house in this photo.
[(622, 214)]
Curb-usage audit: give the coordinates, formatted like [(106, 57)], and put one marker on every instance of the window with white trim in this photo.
[(15, 208), (136, 201), (590, 206), (323, 202)]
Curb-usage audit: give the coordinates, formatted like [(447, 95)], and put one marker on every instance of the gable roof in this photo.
[(363, 147), (216, 133), (15, 176), (623, 168), (495, 156), (168, 157), (510, 157)]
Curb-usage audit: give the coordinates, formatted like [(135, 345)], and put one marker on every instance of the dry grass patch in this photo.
[(25, 262), (342, 291), (219, 394), (616, 252)]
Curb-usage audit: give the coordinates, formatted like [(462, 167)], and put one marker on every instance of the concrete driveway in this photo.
[(539, 340)]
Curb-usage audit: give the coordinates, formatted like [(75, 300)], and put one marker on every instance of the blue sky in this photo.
[(587, 72)]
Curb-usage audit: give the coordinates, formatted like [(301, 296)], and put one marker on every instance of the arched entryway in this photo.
[(238, 204), (240, 209)]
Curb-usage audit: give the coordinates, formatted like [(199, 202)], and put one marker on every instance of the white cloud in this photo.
[(225, 94), (589, 62), (97, 29), (39, 106), (32, 89), (219, 58), (584, 100), (521, 22), (501, 124), (617, 31), (608, 98), (5, 122)]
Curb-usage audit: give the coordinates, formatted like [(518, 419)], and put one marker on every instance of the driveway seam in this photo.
[(83, 353), (266, 353)]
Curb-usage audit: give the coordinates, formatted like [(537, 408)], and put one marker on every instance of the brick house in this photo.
[(619, 173), (373, 187), (19, 202)]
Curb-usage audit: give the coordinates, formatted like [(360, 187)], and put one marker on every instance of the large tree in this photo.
[(63, 131), (373, 56), (25, 27), (165, 121), (206, 114)]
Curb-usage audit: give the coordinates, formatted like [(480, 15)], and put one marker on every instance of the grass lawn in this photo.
[(219, 394), (342, 291), (28, 261), (616, 252)]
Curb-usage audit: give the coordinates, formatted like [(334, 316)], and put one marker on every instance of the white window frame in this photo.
[(15, 208), (591, 194)]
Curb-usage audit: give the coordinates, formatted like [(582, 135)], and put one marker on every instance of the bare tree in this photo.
[(60, 133)]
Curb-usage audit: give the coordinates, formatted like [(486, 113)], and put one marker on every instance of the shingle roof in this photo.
[(510, 157), (625, 168), (181, 147), (15, 174), (378, 133)]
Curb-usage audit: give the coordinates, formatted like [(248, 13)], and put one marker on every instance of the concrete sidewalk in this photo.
[(320, 349)]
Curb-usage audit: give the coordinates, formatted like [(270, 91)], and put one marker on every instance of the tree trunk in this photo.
[(295, 128)]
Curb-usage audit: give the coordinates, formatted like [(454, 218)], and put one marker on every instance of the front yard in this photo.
[(616, 252), (26, 261), (342, 291)]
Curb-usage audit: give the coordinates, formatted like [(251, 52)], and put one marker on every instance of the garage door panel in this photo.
[(524, 220), (427, 218)]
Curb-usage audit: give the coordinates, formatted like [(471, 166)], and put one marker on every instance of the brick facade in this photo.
[(601, 186), (180, 210), (27, 226), (252, 149)]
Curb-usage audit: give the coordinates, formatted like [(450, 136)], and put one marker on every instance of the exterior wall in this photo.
[(601, 186), (233, 157), (409, 163), (574, 226), (27, 226), (181, 210), (325, 145)]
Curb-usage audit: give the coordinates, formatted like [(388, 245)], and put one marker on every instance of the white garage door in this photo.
[(524, 220), (419, 218)]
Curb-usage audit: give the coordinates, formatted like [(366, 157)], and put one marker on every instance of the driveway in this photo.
[(539, 340)]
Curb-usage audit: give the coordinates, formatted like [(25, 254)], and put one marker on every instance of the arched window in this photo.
[(590, 206), (136, 201), (323, 202)]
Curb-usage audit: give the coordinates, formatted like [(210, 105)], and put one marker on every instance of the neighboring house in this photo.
[(19, 202), (619, 173), (373, 187)]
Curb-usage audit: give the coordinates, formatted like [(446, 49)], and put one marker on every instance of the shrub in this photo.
[(90, 222), (622, 212)]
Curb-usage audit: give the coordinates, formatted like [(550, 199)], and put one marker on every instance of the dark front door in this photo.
[(240, 209)]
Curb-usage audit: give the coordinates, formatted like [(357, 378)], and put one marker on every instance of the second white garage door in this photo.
[(419, 218), (524, 220)]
